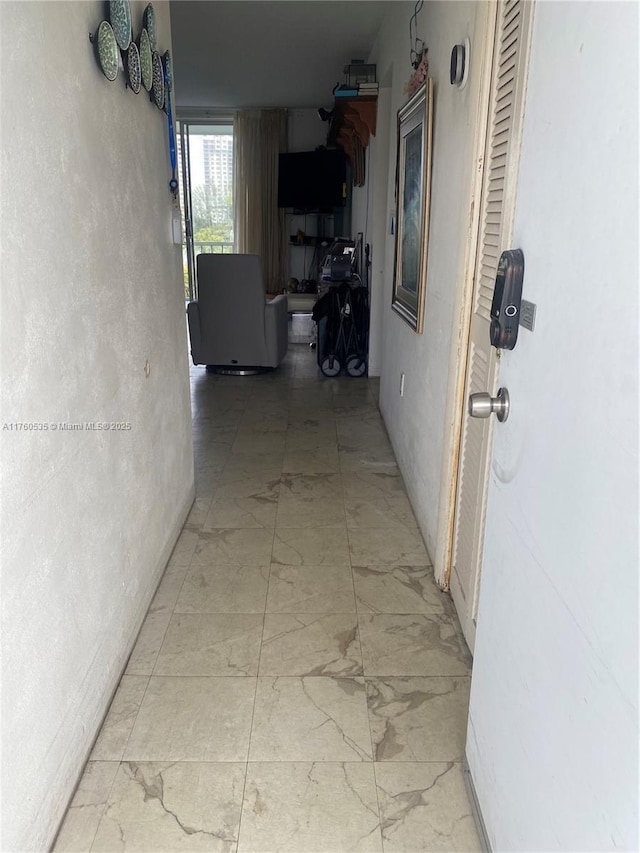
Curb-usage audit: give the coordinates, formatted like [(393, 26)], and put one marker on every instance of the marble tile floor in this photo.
[(300, 683)]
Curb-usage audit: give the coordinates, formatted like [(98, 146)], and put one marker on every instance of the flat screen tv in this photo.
[(312, 180)]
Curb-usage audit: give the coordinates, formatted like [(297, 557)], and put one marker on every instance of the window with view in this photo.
[(206, 195)]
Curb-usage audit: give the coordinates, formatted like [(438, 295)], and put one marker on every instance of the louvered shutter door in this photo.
[(500, 162), (499, 134)]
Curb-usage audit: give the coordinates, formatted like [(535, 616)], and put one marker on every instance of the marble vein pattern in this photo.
[(322, 485), (310, 644), (299, 684), (399, 644), (311, 460), (371, 486), (193, 719), (243, 547), (367, 459), (162, 806), (310, 589), (401, 589), (320, 425), (311, 546), (120, 718), (424, 807), (310, 512), (418, 719), (237, 468), (224, 589), (254, 510), (315, 807), (211, 644), (316, 719), (391, 546), (87, 806), (380, 512)]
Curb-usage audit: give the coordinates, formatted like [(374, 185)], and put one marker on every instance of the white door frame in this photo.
[(462, 310), (456, 402)]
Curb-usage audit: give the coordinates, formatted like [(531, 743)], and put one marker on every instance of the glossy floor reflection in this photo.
[(300, 684)]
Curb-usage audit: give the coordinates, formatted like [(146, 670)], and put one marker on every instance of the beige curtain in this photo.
[(259, 136)]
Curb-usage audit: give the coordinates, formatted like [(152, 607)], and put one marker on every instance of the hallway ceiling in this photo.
[(269, 53)]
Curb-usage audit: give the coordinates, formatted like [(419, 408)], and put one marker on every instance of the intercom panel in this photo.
[(507, 299)]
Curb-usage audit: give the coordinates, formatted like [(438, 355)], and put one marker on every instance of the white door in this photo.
[(506, 101)]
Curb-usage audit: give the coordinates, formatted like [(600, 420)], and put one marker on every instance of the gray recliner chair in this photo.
[(232, 325)]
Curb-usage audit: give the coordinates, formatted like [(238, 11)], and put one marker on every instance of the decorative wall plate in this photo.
[(134, 72), (168, 69), (158, 81), (168, 78), (107, 49), (146, 63), (149, 23), (120, 17)]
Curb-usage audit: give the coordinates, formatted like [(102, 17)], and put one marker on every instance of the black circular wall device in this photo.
[(456, 69), (459, 68)]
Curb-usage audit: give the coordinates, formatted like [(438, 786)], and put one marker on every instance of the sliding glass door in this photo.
[(205, 152)]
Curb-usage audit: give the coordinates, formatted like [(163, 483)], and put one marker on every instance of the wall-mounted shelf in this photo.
[(353, 123), (358, 114)]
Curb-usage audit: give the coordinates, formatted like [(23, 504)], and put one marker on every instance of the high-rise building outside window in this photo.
[(210, 165)]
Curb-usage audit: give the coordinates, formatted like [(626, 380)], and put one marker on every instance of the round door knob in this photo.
[(482, 405)]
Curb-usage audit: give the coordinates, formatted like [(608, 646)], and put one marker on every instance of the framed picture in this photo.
[(413, 190)]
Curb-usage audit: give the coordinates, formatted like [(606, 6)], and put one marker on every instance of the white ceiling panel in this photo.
[(267, 53)]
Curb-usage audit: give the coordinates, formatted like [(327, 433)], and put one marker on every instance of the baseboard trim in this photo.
[(475, 809)]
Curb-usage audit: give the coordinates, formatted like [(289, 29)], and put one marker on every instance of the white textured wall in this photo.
[(553, 735), (417, 422), (91, 290), (305, 130)]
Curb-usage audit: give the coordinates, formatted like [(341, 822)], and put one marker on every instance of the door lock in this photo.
[(483, 404)]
